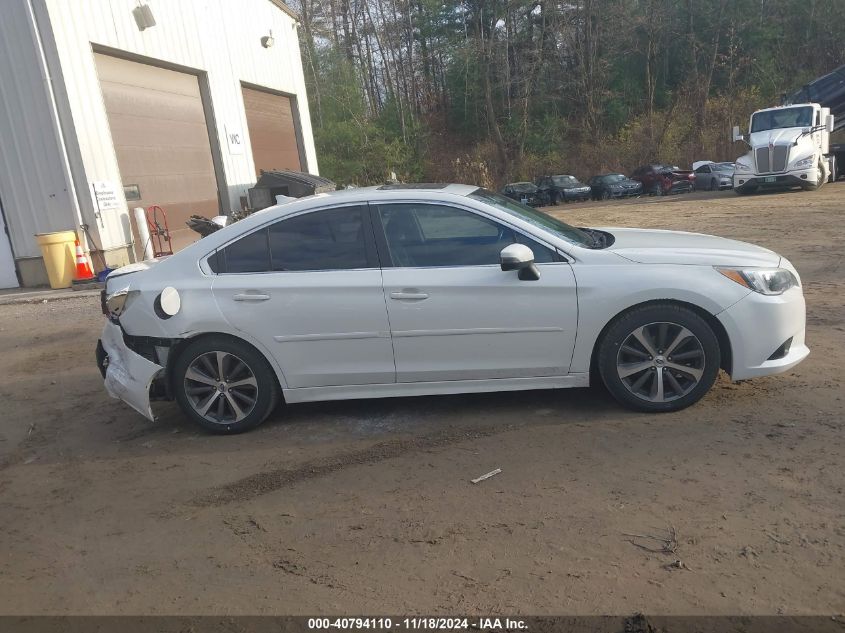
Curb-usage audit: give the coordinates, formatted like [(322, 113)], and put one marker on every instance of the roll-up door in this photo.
[(160, 135), (272, 131)]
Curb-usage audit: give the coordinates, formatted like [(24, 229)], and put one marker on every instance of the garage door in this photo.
[(272, 131), (160, 136)]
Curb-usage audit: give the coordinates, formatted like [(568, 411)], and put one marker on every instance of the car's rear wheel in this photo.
[(659, 358), (224, 385)]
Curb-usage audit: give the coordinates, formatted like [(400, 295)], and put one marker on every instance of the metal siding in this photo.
[(218, 37), (35, 191)]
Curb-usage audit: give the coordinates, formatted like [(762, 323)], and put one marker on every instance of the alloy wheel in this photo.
[(221, 387), (660, 362)]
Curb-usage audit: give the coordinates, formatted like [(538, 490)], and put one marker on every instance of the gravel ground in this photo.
[(366, 506)]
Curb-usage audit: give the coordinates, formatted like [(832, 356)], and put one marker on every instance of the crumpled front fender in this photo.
[(128, 375)]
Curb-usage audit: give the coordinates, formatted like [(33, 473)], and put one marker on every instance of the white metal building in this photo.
[(106, 105)]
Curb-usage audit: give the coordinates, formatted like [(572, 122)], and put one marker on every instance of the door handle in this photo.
[(409, 296), (251, 296)]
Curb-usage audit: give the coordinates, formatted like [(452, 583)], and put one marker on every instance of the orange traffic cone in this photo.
[(84, 272)]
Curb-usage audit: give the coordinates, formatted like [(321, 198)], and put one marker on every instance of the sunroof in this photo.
[(414, 185)]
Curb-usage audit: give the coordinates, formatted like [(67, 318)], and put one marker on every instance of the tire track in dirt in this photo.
[(264, 482)]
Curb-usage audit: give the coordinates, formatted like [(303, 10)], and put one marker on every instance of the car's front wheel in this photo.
[(224, 385), (659, 358)]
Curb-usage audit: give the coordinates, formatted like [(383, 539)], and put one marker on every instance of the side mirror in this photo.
[(736, 135), (521, 258), (828, 123)]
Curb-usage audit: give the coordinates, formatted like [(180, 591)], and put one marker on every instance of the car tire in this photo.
[(246, 393), (713, 185), (633, 378)]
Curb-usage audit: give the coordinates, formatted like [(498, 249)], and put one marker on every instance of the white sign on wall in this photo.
[(107, 195), (235, 140)]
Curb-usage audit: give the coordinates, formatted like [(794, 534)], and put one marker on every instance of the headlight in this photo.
[(766, 281), (116, 301), (740, 166), (804, 163)]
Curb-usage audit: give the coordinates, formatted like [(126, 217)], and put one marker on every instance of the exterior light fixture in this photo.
[(267, 41), (143, 16)]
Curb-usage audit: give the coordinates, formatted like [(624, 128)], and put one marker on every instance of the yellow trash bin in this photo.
[(59, 254)]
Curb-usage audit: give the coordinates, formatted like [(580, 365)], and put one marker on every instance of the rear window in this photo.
[(250, 254), (322, 240), (330, 239)]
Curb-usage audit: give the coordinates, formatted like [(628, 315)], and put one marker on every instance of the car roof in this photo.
[(377, 191)]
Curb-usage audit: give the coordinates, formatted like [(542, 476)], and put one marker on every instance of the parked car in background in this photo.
[(609, 186), (714, 176), (563, 188), (401, 290), (659, 179), (525, 192)]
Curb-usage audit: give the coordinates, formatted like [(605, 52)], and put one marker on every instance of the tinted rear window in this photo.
[(323, 240), (250, 254)]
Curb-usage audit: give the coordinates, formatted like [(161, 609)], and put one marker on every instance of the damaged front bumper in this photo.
[(128, 375)]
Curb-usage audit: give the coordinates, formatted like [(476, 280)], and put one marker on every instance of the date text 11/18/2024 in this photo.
[(417, 624)]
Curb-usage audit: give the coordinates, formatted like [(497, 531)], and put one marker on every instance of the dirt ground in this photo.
[(366, 506)]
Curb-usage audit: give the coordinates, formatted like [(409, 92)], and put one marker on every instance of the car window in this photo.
[(428, 235), (331, 239), (250, 254), (704, 169)]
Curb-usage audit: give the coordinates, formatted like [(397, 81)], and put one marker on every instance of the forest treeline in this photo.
[(493, 91)]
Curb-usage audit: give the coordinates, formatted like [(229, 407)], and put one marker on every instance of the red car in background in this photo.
[(659, 179)]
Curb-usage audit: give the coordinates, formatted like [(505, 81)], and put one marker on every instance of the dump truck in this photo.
[(790, 144)]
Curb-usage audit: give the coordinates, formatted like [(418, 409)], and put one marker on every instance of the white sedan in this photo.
[(407, 290)]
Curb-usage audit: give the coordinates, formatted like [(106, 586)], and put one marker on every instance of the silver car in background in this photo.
[(714, 176)]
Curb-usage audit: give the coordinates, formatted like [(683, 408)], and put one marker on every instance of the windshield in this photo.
[(614, 178), (565, 181), (723, 166), (782, 118), (537, 218), (525, 187)]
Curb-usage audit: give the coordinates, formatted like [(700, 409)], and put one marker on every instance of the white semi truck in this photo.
[(790, 144)]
